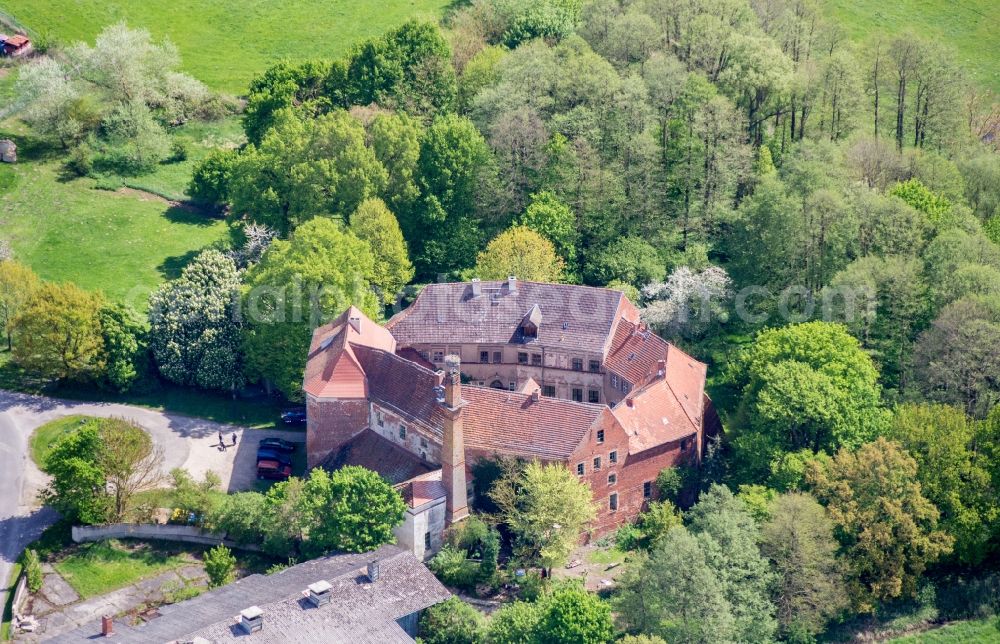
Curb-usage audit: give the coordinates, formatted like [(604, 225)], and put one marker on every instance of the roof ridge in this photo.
[(548, 399)]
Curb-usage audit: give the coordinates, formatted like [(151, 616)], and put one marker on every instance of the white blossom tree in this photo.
[(195, 329), (688, 302)]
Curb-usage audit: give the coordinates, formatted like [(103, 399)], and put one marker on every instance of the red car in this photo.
[(269, 469)]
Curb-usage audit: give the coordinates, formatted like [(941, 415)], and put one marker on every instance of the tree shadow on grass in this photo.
[(171, 267), (189, 214)]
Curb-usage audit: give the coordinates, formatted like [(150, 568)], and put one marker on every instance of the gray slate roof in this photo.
[(360, 611), (575, 317)]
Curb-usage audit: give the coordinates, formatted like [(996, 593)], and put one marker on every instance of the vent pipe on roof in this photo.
[(512, 283), (477, 287), (629, 402)]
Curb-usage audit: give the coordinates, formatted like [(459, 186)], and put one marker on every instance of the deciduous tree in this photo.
[(522, 252), (298, 285), (194, 324), (547, 508), (17, 283), (372, 222), (58, 333), (887, 528), (798, 539)]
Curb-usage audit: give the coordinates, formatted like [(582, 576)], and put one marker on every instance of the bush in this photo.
[(451, 622), (490, 554), (33, 571), (178, 151), (209, 184), (453, 568), (532, 586), (109, 182), (628, 537), (220, 565), (80, 161)]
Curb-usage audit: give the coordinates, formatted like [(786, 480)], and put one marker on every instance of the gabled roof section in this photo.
[(576, 317), (667, 408), (635, 352), (405, 386), (534, 316), (510, 423), (332, 369)]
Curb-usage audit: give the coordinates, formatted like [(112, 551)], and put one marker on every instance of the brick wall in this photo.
[(330, 424), (418, 439)]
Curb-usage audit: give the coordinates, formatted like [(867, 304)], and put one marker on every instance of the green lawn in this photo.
[(97, 568), (122, 244), (226, 43), (46, 436), (980, 631), (972, 27)]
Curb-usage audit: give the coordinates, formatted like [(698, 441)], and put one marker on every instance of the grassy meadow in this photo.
[(979, 631), (226, 43), (972, 27)]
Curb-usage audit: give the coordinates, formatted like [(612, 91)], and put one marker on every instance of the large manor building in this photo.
[(558, 373)]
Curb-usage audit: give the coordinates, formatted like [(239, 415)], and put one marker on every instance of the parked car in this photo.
[(268, 469), (295, 416), (277, 444), (273, 455)]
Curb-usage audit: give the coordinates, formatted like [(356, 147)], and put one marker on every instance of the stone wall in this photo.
[(165, 532)]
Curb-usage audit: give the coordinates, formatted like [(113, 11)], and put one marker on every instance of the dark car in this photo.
[(277, 445), (268, 469), (273, 455), (296, 416)]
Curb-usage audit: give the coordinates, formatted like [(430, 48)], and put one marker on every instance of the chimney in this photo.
[(512, 284), (629, 402), (661, 368), (355, 321), (318, 593), (252, 619), (373, 570), (477, 287), (453, 444), (107, 626), (536, 395), (452, 380)]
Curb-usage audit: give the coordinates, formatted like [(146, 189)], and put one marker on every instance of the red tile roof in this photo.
[(332, 369), (667, 408), (510, 423), (17, 40), (423, 489), (577, 317), (404, 386), (635, 352)]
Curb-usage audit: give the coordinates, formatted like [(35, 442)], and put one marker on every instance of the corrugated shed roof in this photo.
[(360, 611), (577, 317)]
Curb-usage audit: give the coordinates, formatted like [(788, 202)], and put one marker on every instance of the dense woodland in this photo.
[(817, 219)]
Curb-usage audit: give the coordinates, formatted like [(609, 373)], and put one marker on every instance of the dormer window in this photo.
[(530, 323)]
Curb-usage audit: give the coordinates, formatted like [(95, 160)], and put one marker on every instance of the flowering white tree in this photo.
[(195, 328), (688, 302)]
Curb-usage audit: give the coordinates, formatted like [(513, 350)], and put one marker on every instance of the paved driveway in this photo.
[(191, 443)]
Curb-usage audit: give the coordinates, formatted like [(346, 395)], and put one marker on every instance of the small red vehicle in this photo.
[(268, 469)]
